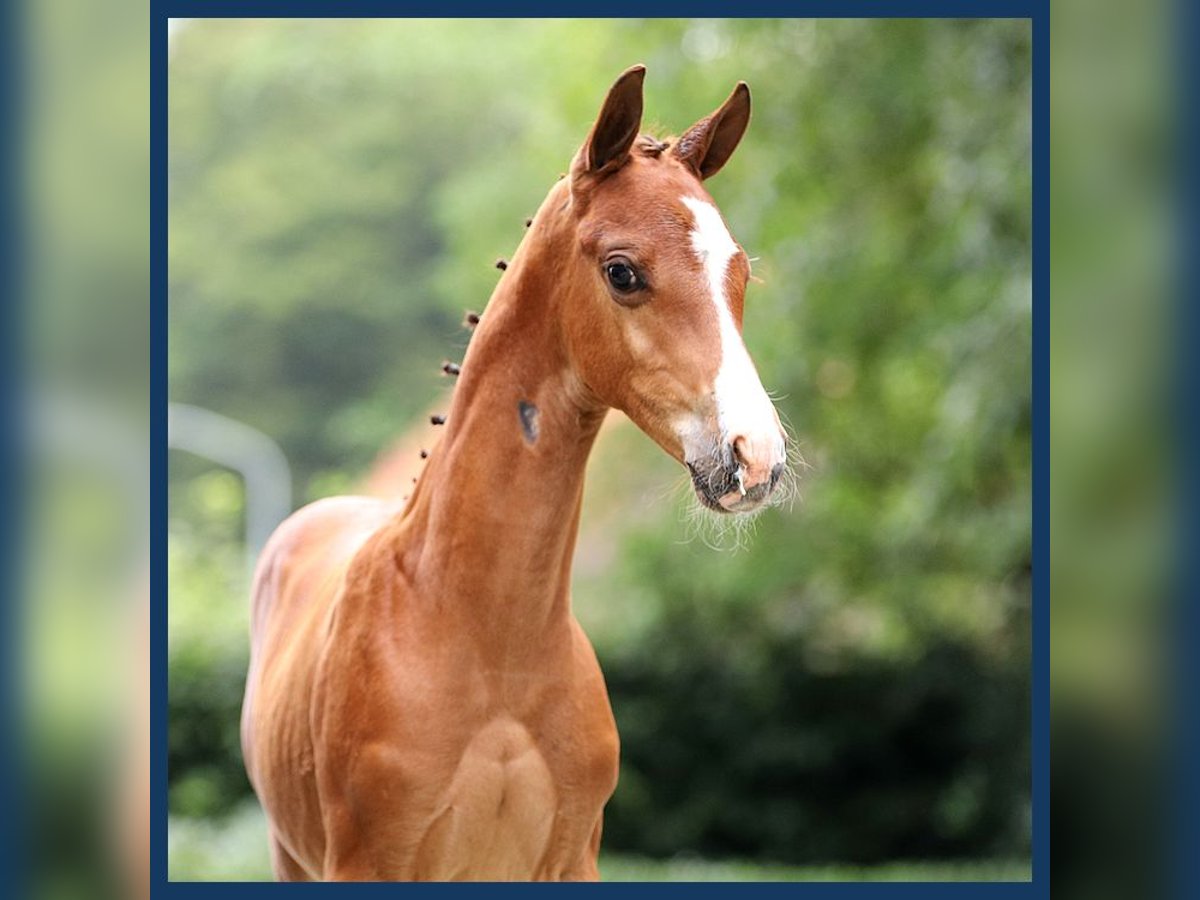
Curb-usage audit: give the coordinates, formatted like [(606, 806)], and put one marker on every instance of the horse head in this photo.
[(653, 320)]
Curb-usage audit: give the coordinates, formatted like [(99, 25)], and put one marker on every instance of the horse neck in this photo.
[(491, 525)]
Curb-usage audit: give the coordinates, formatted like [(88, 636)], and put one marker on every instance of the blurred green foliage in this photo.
[(1115, 504), (851, 686)]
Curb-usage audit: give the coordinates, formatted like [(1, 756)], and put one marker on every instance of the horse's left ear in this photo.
[(616, 127), (708, 144)]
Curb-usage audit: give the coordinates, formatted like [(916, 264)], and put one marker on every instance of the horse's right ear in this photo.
[(616, 128)]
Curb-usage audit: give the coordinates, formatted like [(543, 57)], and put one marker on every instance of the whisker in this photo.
[(788, 490), (716, 531)]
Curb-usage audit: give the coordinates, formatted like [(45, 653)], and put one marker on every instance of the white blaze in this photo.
[(743, 407)]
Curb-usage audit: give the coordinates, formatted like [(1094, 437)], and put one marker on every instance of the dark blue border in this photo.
[(820, 9), (13, 207), (158, 443), (1040, 433), (1184, 676), (1036, 10)]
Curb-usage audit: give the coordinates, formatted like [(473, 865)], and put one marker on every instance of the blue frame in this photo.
[(13, 208), (1037, 11), (1184, 809)]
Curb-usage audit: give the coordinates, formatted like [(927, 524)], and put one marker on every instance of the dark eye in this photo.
[(622, 276)]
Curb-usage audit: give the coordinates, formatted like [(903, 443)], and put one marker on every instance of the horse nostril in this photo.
[(776, 474), (731, 459), (740, 452)]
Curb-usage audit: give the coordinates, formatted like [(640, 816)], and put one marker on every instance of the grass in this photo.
[(235, 849)]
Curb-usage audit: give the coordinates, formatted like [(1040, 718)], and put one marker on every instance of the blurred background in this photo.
[(845, 695), (1119, 325), (80, 328)]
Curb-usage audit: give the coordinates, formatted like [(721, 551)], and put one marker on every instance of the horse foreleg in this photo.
[(284, 864), (588, 868)]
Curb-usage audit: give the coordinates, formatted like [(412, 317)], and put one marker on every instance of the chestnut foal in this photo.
[(421, 703)]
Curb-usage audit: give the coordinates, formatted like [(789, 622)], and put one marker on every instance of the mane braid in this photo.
[(648, 145)]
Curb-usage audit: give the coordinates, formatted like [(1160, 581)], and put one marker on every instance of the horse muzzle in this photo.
[(733, 480)]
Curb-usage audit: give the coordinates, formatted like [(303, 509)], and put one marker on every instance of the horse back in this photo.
[(305, 555)]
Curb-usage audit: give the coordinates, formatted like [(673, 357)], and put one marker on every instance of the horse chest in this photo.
[(523, 797), (499, 809), (474, 775), (503, 805)]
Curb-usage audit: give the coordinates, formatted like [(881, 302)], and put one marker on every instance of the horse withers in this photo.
[(421, 703)]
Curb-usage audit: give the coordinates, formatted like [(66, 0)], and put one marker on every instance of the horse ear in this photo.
[(616, 128), (708, 144)]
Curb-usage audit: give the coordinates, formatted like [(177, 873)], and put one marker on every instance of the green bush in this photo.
[(204, 762), (730, 751)]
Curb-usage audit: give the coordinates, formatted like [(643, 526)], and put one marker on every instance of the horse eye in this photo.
[(622, 276)]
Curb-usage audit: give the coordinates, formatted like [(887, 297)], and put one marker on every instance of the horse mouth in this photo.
[(722, 491)]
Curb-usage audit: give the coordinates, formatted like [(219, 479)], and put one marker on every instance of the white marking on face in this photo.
[(743, 407)]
